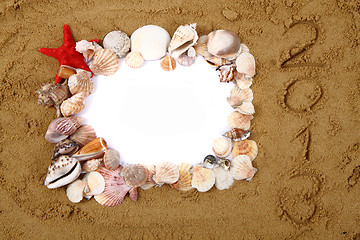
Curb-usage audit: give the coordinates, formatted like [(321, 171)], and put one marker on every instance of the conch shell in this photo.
[(184, 38)]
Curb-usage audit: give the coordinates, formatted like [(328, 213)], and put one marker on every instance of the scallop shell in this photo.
[(81, 82), (83, 135), (237, 134), (222, 147), (73, 105), (62, 171), (203, 178), (65, 71), (224, 44), (242, 80), (223, 178), (238, 120), (118, 42), (149, 182), (94, 149), (245, 63), (217, 61), (246, 108), (238, 96), (134, 60), (245, 147), (91, 165), (65, 147), (241, 168), (166, 172), (185, 60), (61, 128), (209, 161), (105, 62), (201, 47), (226, 72), (135, 175), (75, 191), (95, 184), (184, 38), (87, 49), (168, 63), (111, 159), (184, 182), (244, 48)]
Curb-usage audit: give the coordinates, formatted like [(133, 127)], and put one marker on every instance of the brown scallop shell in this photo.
[(238, 120), (166, 172), (111, 159), (203, 178), (245, 147), (134, 59), (168, 63), (81, 82), (105, 62), (185, 177)]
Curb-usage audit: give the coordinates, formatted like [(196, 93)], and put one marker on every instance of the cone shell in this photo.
[(135, 175), (87, 49), (184, 182), (237, 134), (238, 120), (83, 135), (185, 60), (245, 147), (75, 191), (245, 63), (246, 108), (95, 183), (223, 43), (203, 178), (241, 168), (238, 96), (183, 38), (168, 63), (223, 178), (242, 80), (134, 60), (105, 62), (81, 82), (61, 128), (111, 159), (94, 149), (73, 105), (65, 147), (91, 165), (166, 172), (65, 71), (222, 147)]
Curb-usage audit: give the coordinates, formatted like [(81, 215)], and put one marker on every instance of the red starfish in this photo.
[(66, 54)]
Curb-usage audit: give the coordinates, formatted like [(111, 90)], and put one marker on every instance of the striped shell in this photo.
[(201, 47), (75, 191), (185, 176), (105, 62), (134, 59), (83, 135), (149, 181), (241, 168), (245, 147), (65, 147), (224, 44), (246, 108), (135, 175), (223, 178), (203, 178), (73, 105), (238, 96), (217, 61), (81, 82), (168, 63), (238, 120), (166, 172), (91, 165), (244, 48), (95, 184), (237, 134), (242, 80), (222, 147), (61, 128), (111, 159), (94, 149), (245, 63)]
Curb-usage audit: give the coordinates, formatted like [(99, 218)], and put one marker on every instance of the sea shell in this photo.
[(201, 47), (217, 61), (61, 128), (151, 41), (184, 38), (81, 82), (246, 108), (95, 184), (87, 49), (105, 62), (65, 147), (83, 135), (241, 168), (222, 147), (166, 172), (168, 63), (244, 48), (242, 80), (94, 149), (223, 178), (111, 159), (149, 182), (245, 63), (118, 42), (237, 134), (134, 59), (224, 163), (75, 191), (135, 175), (203, 178), (245, 147), (238, 96), (238, 120), (91, 165), (226, 72), (184, 182), (65, 71), (62, 171), (224, 44), (73, 105), (185, 60), (209, 161), (191, 52)]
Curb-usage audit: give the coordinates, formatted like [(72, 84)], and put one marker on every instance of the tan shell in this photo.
[(73, 105), (61, 128), (222, 147), (111, 159), (185, 177), (81, 82), (66, 71), (242, 80), (87, 49), (238, 120), (75, 191), (83, 135), (185, 60), (245, 63), (241, 168), (203, 178), (149, 182), (95, 183), (245, 147), (168, 63), (246, 108), (238, 96), (105, 62), (91, 165), (166, 172), (224, 44), (134, 60), (237, 134), (223, 178), (65, 147), (183, 38), (94, 149), (135, 175)]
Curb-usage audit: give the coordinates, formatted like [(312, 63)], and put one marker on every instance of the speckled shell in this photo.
[(135, 175), (87, 49), (83, 135), (242, 80), (245, 147), (111, 159), (166, 172), (73, 105), (223, 43), (65, 147), (238, 120), (75, 191), (94, 149), (226, 72), (223, 178), (245, 63), (81, 82), (185, 60), (168, 63), (237, 134), (184, 38), (61, 128), (134, 59), (105, 62), (203, 178), (246, 108), (149, 182), (185, 177), (91, 165), (222, 147), (95, 184), (241, 168), (238, 96), (118, 42)]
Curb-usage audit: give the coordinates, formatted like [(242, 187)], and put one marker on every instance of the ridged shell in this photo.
[(166, 172), (237, 134), (87, 49), (183, 38), (81, 82), (61, 128), (245, 63), (75, 191), (105, 62), (223, 43), (95, 184), (203, 178), (245, 147), (149, 182), (238, 120), (73, 105), (246, 108), (238, 96), (244, 48), (222, 147), (111, 159), (94, 149), (135, 175), (185, 60), (168, 63), (223, 178), (118, 42), (242, 80), (226, 72), (65, 147), (185, 176), (91, 165), (134, 59), (83, 135), (241, 168), (201, 47)]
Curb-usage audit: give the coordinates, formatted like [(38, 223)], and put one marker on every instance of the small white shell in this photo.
[(75, 191), (73, 105), (222, 147), (241, 168), (95, 183), (105, 62), (245, 63), (81, 82), (223, 178), (134, 59), (166, 172), (203, 178), (246, 108), (118, 42)]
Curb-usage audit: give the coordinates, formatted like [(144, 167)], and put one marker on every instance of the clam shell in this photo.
[(149, 182), (168, 63), (238, 120), (184, 38), (203, 178), (184, 182), (246, 108), (209, 161), (238, 96), (226, 72), (118, 42), (242, 80), (201, 47), (224, 44), (223, 178), (111, 159), (75, 191), (222, 147), (87, 49), (134, 60), (83, 135), (94, 149), (166, 172), (241, 168), (65, 147), (185, 60), (245, 63), (135, 175), (81, 82), (91, 165), (61, 128), (73, 105), (245, 147), (105, 62), (237, 134), (95, 184), (62, 171), (151, 41)]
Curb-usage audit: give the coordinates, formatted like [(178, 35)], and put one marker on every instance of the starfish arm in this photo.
[(58, 79), (52, 52), (68, 39)]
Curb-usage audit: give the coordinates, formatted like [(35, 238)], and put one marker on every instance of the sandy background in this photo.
[(306, 95)]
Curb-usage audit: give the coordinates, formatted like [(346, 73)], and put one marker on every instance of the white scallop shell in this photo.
[(238, 120), (244, 48), (203, 178), (105, 62), (81, 82), (201, 47), (246, 108), (223, 178), (134, 59), (245, 63), (238, 96), (73, 105), (75, 191), (150, 182), (95, 184), (242, 80), (83, 135), (222, 147), (166, 172), (241, 168)]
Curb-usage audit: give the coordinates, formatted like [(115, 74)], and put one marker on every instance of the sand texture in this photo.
[(306, 96)]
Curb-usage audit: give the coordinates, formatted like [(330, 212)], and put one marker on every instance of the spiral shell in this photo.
[(237, 134), (81, 82), (87, 49), (226, 72), (223, 178), (94, 149), (222, 147), (245, 63), (61, 128), (185, 176), (246, 108), (168, 63), (238, 96), (134, 59), (91, 165), (184, 38), (238, 120), (241, 168), (166, 172), (83, 135), (245, 147), (224, 44), (75, 191), (73, 105), (135, 175), (203, 178), (105, 62), (111, 159)]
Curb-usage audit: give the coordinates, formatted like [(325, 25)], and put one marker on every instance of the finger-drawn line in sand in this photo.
[(354, 177), (305, 137)]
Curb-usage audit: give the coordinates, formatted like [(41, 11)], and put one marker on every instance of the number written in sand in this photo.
[(304, 135)]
